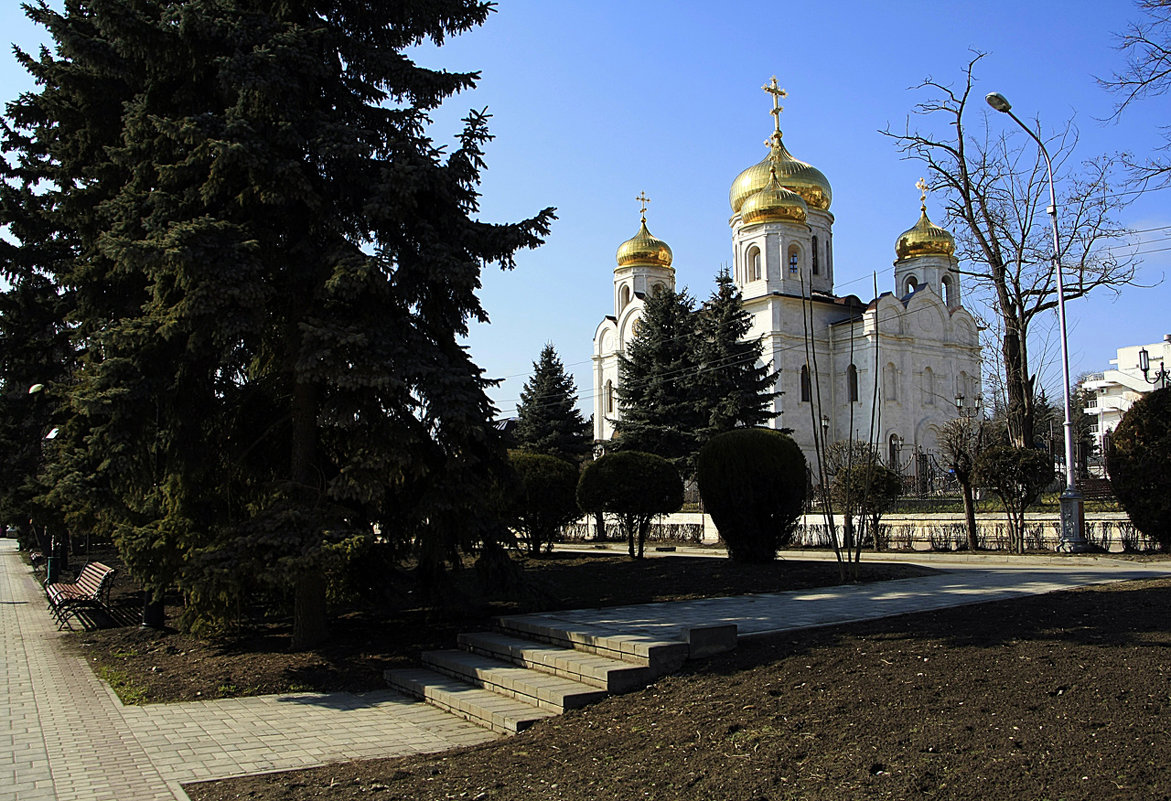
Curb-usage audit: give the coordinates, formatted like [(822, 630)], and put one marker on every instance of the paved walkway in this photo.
[(64, 736)]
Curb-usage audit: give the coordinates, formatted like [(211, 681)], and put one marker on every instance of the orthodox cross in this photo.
[(921, 185), (774, 89), (643, 199)]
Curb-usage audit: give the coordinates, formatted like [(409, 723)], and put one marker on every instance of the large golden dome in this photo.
[(925, 239), (644, 249), (773, 203), (797, 176)]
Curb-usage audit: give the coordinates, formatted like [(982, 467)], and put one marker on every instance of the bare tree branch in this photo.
[(995, 189)]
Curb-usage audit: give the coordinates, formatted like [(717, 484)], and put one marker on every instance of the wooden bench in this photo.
[(90, 588)]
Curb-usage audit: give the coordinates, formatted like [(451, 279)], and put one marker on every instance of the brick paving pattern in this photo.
[(65, 736)]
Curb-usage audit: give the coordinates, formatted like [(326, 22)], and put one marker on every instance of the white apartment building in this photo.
[(1115, 391)]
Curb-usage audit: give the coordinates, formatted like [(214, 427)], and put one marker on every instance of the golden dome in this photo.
[(797, 176), (925, 239), (644, 249), (773, 203)]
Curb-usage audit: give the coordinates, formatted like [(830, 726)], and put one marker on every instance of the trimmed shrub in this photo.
[(752, 481), (633, 487), (1140, 466), (1017, 476), (543, 499)]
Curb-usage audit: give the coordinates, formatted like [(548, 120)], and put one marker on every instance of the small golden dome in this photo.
[(796, 176), (773, 203), (925, 239), (644, 249)]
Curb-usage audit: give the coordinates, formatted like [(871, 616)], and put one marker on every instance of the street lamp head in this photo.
[(35, 388), (998, 102), (1144, 361), (959, 402)]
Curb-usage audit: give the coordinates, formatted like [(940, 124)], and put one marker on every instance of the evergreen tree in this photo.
[(273, 268), (548, 420), (663, 405), (738, 391)]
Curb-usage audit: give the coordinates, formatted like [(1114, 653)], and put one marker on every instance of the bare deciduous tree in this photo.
[(1147, 47), (996, 195)]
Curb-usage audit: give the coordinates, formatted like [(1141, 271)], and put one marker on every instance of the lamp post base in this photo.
[(1073, 523)]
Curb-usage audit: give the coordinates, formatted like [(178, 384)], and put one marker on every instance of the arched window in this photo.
[(948, 291), (928, 386), (609, 397), (910, 285), (890, 383), (623, 297), (894, 446), (815, 265), (852, 383), (754, 271), (806, 389), (794, 259)]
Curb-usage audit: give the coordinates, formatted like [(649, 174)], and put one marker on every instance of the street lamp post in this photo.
[(1073, 538), (1144, 364)]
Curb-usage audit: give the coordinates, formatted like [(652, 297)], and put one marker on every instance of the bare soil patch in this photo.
[(1061, 696), (145, 665)]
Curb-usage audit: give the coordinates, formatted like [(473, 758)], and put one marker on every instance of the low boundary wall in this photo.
[(1112, 531)]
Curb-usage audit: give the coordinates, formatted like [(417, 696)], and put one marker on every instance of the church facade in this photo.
[(899, 366)]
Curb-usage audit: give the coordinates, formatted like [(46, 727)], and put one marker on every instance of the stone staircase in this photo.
[(533, 667)]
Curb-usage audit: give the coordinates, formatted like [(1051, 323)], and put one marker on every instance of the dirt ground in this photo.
[(145, 666), (1062, 696)]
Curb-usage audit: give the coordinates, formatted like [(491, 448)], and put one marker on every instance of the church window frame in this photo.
[(753, 268), (794, 259), (910, 284), (928, 387), (806, 386), (852, 383), (815, 267), (948, 291), (890, 383), (609, 402), (623, 298)]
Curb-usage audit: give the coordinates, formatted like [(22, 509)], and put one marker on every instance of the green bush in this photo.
[(1017, 476), (633, 487), (752, 482), (1140, 466), (544, 497)]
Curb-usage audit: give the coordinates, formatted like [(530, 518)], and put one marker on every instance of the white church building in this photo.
[(917, 342)]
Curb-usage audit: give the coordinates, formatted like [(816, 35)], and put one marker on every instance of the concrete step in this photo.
[(611, 675), (533, 687), (484, 707), (662, 656)]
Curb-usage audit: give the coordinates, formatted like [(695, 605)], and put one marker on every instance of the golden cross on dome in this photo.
[(774, 89), (921, 185), (643, 199)]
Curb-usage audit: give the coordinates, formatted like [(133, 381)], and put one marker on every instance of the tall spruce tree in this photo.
[(273, 267), (736, 388), (662, 404), (548, 420)]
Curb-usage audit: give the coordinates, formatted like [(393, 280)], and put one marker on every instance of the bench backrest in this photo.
[(93, 577)]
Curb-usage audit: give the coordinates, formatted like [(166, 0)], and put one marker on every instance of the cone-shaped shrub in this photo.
[(752, 482)]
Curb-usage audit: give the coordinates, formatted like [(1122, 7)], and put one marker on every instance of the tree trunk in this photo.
[(970, 515), (1018, 390), (309, 615), (310, 625)]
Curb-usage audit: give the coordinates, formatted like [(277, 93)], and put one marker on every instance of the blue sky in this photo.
[(594, 102)]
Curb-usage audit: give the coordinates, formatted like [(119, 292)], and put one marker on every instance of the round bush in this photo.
[(752, 481), (544, 498), (634, 487), (1140, 466)]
